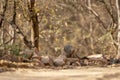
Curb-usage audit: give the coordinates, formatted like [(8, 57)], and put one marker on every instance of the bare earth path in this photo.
[(84, 73)]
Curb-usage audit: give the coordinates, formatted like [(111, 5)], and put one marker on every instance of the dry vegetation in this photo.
[(90, 26), (70, 39)]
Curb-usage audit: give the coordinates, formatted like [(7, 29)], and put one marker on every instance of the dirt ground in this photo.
[(80, 73)]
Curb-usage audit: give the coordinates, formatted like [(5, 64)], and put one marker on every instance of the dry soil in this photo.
[(80, 73)]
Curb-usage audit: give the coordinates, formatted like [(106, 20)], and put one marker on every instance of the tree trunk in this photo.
[(91, 29), (118, 14), (35, 23)]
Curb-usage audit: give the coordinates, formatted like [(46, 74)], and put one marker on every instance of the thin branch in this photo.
[(26, 42), (113, 26), (18, 30), (6, 42), (5, 8), (108, 10), (97, 17)]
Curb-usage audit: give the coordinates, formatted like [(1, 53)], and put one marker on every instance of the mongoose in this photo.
[(66, 57), (69, 50)]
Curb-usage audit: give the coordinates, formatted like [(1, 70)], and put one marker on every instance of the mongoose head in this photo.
[(68, 50)]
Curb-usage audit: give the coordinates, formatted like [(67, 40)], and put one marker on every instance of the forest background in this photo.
[(89, 25)]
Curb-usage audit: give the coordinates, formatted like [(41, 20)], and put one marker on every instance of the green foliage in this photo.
[(26, 56), (14, 49)]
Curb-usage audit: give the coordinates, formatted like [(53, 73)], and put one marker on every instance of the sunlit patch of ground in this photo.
[(81, 73)]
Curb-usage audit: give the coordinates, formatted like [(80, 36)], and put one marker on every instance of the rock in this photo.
[(60, 60)]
